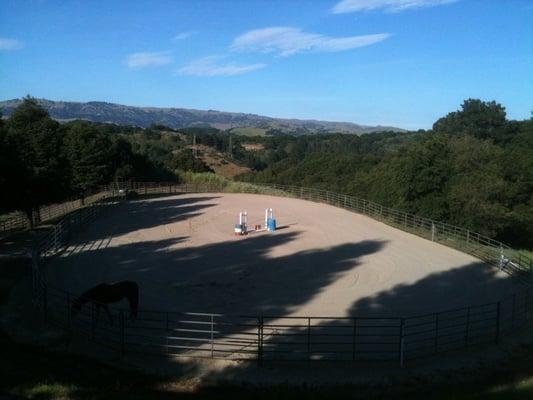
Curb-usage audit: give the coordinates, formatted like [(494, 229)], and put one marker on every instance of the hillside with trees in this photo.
[(177, 118), (473, 169)]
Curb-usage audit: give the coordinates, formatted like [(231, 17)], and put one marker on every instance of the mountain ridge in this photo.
[(101, 111)]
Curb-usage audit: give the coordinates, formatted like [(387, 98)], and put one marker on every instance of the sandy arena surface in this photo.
[(323, 261)]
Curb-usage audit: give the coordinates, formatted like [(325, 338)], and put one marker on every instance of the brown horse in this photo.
[(104, 294)]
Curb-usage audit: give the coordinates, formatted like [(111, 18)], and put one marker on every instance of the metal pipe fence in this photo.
[(397, 339), (17, 221)]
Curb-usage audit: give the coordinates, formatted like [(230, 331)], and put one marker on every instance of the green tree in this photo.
[(89, 152), (484, 120), (37, 141), (185, 161)]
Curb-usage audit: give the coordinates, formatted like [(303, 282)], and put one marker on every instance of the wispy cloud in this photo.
[(143, 60), (10, 44), (350, 6), (210, 66), (183, 35), (287, 41)]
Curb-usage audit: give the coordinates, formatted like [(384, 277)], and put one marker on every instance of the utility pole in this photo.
[(230, 147), (194, 150)]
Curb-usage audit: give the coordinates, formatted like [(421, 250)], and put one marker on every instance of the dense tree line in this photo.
[(42, 161), (473, 169)]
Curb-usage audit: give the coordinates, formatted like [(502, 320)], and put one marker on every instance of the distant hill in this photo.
[(98, 111)]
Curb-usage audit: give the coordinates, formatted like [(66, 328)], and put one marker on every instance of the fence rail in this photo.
[(263, 338)]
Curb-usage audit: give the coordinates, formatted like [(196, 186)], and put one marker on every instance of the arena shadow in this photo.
[(476, 284), (235, 277), (136, 215)]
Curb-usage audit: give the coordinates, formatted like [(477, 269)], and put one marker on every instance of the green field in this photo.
[(248, 131)]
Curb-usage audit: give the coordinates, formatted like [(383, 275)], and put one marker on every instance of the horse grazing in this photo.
[(104, 294)]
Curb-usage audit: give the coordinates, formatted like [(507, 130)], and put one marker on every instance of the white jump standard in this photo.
[(242, 227)]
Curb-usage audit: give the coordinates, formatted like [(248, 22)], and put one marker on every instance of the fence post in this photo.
[(122, 334), (260, 341), (166, 332), (212, 337), (69, 320), (467, 333), (308, 339), (527, 304), (402, 342), (432, 231), (513, 311), (93, 322), (354, 338), (45, 302), (436, 344), (56, 245), (497, 339)]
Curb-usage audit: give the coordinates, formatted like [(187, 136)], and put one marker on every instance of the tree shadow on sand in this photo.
[(236, 277), (251, 284), (456, 309), (140, 214)]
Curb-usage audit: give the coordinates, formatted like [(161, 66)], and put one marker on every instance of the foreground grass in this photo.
[(29, 372)]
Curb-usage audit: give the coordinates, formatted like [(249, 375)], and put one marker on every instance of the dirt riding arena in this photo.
[(321, 261)]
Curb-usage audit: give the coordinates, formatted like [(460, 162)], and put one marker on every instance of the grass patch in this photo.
[(248, 131)]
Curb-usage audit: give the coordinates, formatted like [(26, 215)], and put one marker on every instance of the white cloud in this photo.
[(10, 44), (142, 60), (349, 6), (183, 35), (287, 41), (208, 66)]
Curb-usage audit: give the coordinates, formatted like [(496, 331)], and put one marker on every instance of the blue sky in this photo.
[(391, 62)]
